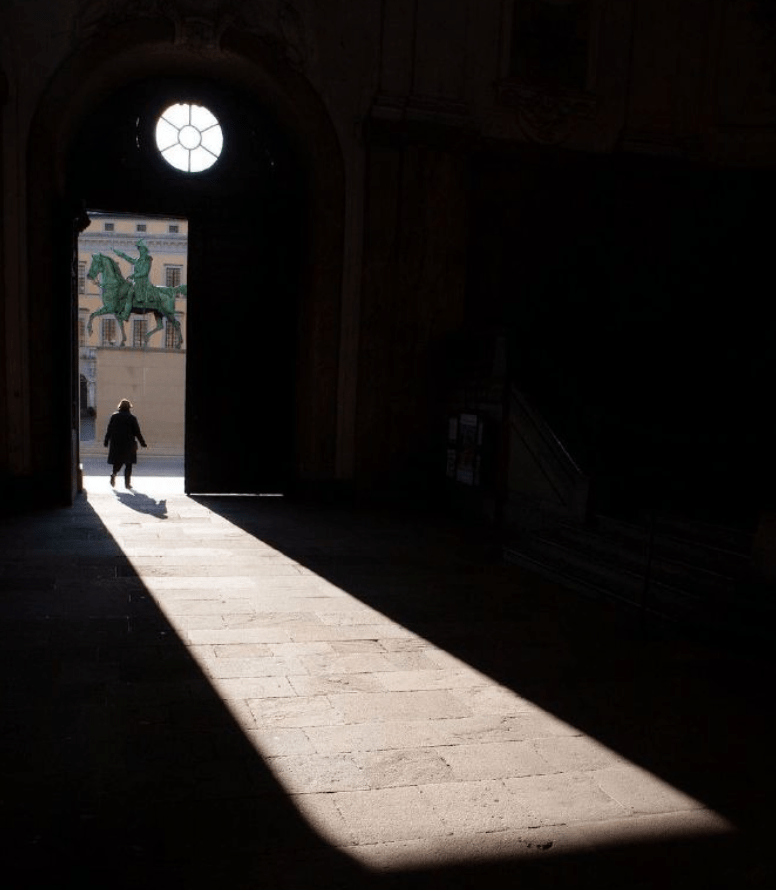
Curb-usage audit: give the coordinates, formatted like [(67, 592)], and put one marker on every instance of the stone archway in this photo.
[(248, 69)]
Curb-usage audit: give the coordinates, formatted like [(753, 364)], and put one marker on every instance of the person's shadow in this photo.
[(142, 503)]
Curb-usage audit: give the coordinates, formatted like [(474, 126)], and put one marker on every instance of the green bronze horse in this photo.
[(119, 299)]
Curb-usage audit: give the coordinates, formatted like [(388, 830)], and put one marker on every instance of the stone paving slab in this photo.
[(299, 694)]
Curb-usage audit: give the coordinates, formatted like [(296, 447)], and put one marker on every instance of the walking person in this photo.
[(122, 435)]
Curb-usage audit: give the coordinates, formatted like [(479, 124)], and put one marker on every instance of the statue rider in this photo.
[(141, 269)]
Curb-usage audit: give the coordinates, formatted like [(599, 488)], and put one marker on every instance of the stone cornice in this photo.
[(103, 242)]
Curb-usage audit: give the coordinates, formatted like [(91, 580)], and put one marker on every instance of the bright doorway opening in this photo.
[(132, 336)]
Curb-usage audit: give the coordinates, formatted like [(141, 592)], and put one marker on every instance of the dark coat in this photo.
[(122, 431)]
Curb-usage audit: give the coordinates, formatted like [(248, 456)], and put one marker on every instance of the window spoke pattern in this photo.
[(189, 137)]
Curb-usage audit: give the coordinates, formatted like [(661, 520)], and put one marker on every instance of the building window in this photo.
[(109, 227), (139, 329), (81, 331), (141, 227), (170, 334), (82, 278), (173, 229), (108, 332), (172, 276)]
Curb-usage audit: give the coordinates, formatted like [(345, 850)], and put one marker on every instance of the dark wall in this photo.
[(632, 290), (412, 298), (4, 450)]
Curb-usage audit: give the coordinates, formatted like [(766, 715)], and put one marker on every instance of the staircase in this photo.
[(670, 568)]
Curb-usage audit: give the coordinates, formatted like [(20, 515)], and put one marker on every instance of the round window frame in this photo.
[(189, 104)]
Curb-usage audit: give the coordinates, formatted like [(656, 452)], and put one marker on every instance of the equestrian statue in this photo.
[(122, 297)]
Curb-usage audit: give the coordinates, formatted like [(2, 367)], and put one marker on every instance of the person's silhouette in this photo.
[(121, 439)]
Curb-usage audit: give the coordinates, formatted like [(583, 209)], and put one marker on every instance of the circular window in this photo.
[(189, 137)]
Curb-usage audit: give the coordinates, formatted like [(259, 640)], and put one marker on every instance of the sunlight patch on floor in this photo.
[(392, 748)]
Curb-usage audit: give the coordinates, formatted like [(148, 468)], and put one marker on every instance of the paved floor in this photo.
[(255, 692)]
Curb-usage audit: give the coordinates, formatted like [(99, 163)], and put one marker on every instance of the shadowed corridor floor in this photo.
[(245, 692)]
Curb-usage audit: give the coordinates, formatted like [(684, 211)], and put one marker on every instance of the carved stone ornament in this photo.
[(198, 33), (546, 116), (95, 16), (200, 24)]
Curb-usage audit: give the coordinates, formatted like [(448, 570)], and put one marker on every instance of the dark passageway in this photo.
[(424, 225)]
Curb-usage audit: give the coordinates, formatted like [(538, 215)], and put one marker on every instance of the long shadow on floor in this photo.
[(119, 765), (697, 715)]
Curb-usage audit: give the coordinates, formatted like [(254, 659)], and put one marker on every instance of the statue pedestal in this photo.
[(154, 381)]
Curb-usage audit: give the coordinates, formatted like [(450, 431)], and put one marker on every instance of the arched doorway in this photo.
[(245, 217), (265, 251)]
